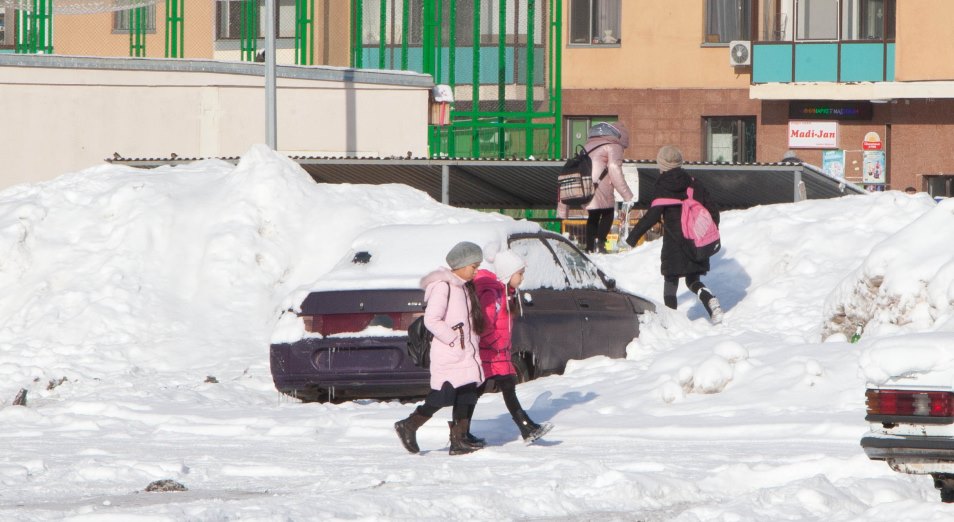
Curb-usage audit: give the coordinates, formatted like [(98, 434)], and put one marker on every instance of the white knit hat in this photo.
[(506, 264)]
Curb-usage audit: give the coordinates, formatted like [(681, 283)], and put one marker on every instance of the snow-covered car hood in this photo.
[(398, 256)]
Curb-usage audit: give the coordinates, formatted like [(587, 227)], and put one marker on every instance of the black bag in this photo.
[(419, 343), (576, 187), (419, 340)]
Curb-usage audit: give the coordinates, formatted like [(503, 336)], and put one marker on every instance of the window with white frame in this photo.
[(595, 22), (727, 20), (123, 18), (229, 17)]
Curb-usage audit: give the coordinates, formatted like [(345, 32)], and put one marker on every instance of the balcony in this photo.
[(827, 61)]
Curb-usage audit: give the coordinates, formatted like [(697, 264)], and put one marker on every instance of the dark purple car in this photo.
[(349, 338)]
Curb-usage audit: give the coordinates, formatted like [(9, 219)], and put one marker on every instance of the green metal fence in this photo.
[(500, 57)]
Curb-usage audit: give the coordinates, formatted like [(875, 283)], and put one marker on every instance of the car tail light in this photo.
[(910, 403), (330, 324)]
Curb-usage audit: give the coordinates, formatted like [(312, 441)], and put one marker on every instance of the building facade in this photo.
[(855, 86), (861, 88)]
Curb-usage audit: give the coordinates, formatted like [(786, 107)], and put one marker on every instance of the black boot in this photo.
[(471, 439), (529, 430), (458, 438), (407, 430)]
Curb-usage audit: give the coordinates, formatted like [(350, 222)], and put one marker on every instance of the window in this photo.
[(594, 22), (580, 272), (123, 19), (229, 18), (940, 186), (867, 19), (730, 139), (545, 272), (727, 20), (577, 128), (817, 19)]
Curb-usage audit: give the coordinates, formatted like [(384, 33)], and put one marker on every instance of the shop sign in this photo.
[(813, 134), (829, 110), (872, 141)]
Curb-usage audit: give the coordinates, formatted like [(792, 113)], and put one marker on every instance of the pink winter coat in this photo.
[(610, 154), (495, 349), (451, 360)]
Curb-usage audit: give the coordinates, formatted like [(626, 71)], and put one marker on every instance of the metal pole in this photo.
[(271, 133), (445, 184)]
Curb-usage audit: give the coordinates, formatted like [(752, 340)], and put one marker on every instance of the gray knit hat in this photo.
[(463, 254), (669, 157)]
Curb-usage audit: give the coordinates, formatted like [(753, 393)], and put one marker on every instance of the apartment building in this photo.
[(861, 87)]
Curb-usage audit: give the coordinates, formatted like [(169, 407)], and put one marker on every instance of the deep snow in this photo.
[(136, 308)]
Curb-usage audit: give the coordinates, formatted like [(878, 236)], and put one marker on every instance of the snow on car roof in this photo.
[(398, 256)]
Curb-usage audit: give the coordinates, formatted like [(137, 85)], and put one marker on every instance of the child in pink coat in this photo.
[(497, 296), (453, 315)]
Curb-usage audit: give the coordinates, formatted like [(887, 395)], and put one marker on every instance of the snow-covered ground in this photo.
[(136, 309)]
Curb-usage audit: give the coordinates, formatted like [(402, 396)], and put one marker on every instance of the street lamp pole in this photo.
[(271, 132)]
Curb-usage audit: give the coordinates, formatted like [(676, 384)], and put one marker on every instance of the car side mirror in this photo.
[(527, 298), (610, 283)]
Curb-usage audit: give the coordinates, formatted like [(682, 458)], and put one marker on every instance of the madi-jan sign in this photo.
[(813, 134)]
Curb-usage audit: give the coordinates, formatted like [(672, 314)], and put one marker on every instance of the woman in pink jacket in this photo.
[(497, 296), (605, 145), (453, 315)]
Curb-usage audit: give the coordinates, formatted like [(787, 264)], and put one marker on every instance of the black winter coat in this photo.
[(674, 260)]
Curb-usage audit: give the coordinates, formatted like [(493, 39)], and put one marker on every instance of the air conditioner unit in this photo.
[(740, 53)]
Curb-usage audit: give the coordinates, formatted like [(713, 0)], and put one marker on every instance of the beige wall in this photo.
[(92, 34), (661, 48), (925, 35), (70, 118)]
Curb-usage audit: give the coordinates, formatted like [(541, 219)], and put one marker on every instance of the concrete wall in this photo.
[(65, 113)]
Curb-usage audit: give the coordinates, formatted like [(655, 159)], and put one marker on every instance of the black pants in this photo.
[(695, 285), (507, 384), (598, 224), (462, 399)]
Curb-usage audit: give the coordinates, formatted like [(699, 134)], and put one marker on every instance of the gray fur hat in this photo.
[(463, 254)]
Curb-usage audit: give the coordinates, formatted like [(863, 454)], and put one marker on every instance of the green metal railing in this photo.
[(175, 34), (304, 32), (35, 28), (249, 33), (137, 32), (515, 58)]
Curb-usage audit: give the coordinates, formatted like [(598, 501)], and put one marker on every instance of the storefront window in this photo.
[(730, 139)]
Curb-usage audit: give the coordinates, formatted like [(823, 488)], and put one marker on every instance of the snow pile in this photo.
[(136, 307), (906, 284), (115, 269)]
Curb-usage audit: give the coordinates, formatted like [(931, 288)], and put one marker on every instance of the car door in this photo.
[(608, 319), (548, 322)]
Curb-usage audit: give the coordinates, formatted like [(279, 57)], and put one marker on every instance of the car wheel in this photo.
[(522, 367)]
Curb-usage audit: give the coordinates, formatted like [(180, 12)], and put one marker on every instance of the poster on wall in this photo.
[(833, 163), (873, 167)]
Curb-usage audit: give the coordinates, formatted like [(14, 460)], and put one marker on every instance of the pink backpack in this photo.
[(697, 225)]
